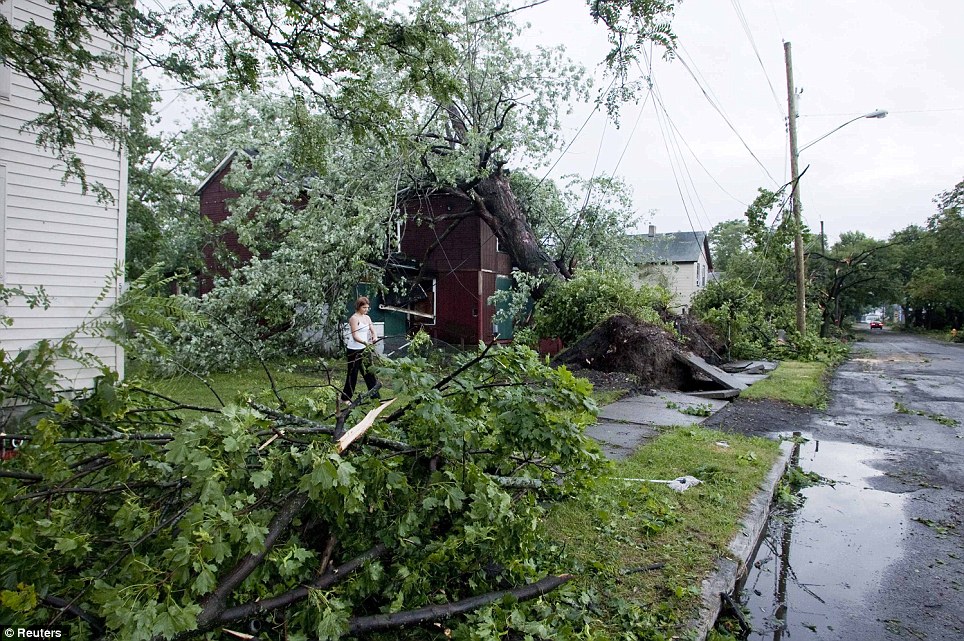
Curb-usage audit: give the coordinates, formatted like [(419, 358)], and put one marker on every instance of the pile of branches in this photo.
[(128, 515)]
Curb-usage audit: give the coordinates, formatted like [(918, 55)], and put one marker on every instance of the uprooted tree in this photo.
[(352, 185), (127, 515), (435, 91)]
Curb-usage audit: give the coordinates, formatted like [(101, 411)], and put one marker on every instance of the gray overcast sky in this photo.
[(849, 58)]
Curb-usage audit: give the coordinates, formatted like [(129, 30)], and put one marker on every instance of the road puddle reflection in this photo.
[(819, 563)]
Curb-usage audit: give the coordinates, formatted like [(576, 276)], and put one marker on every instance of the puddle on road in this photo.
[(819, 564)]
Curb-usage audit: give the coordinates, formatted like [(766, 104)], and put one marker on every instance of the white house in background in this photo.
[(680, 261), (52, 234)]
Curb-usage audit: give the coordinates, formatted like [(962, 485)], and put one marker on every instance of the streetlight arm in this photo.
[(880, 113)]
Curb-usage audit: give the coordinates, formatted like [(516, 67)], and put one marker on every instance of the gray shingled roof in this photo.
[(675, 247)]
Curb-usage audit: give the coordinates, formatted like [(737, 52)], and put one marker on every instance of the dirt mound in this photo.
[(622, 344), (700, 338)]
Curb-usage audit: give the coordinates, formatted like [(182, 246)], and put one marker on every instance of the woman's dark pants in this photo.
[(357, 361)]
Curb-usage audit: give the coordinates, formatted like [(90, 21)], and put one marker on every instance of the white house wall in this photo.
[(53, 235), (683, 280)]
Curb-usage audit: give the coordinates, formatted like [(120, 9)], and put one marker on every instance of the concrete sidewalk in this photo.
[(629, 423)]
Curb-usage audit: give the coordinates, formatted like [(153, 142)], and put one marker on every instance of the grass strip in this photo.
[(805, 384), (644, 549), (295, 380)]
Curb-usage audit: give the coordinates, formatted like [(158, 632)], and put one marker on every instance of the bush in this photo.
[(570, 309), (751, 330), (736, 311)]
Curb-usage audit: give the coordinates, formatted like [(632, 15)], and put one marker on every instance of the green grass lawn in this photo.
[(645, 547), (291, 380), (794, 382)]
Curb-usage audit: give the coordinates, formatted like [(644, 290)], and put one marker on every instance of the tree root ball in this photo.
[(623, 344)]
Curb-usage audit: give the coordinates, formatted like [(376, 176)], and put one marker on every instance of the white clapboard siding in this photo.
[(53, 235), (18, 144)]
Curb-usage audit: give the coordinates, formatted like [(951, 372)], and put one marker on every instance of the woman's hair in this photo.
[(362, 300)]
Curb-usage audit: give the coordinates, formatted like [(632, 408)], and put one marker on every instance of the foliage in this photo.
[(572, 308), (320, 200), (900, 408), (163, 224), (789, 494), (753, 307), (929, 267), (631, 26), (515, 304), (582, 226), (331, 50), (149, 522), (737, 312), (858, 273), (429, 95), (57, 60), (727, 239), (937, 286)]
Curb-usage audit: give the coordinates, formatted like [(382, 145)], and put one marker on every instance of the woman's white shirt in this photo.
[(364, 330)]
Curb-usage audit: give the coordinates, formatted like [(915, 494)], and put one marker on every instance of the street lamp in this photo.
[(880, 113), (801, 267)]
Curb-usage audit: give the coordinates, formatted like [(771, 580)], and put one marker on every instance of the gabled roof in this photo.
[(674, 247), (221, 165)]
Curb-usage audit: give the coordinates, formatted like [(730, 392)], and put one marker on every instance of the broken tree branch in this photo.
[(214, 605), (395, 620), (297, 594), (318, 428)]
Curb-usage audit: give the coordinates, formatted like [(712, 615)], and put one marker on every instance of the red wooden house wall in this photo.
[(215, 197), (462, 253)]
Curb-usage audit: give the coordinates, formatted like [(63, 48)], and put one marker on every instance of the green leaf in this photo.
[(24, 599), (261, 478)]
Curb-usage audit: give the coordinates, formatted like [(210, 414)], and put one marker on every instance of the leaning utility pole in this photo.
[(795, 182)]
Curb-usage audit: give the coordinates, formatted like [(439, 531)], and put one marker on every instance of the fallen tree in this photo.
[(126, 515), (645, 350)]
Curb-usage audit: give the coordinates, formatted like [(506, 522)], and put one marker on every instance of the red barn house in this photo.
[(214, 197), (462, 254), (456, 254)]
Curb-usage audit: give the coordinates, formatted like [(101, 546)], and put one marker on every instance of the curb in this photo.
[(741, 548)]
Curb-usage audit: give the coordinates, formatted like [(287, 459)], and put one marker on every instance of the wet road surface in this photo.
[(879, 555)]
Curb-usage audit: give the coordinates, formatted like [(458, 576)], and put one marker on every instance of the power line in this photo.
[(682, 138), (719, 110), (749, 34), (676, 177), (574, 138), (507, 12), (629, 139)]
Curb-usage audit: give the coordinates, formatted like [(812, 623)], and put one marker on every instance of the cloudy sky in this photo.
[(697, 160)]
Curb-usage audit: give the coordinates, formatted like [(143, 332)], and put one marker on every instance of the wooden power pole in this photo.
[(801, 266)]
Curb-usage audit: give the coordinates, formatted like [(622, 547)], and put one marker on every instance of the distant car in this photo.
[(876, 324)]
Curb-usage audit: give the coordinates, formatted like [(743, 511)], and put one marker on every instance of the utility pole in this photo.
[(795, 182)]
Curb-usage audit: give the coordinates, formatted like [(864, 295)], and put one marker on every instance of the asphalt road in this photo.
[(881, 555)]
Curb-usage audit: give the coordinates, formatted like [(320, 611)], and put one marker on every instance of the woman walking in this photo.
[(361, 334)]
